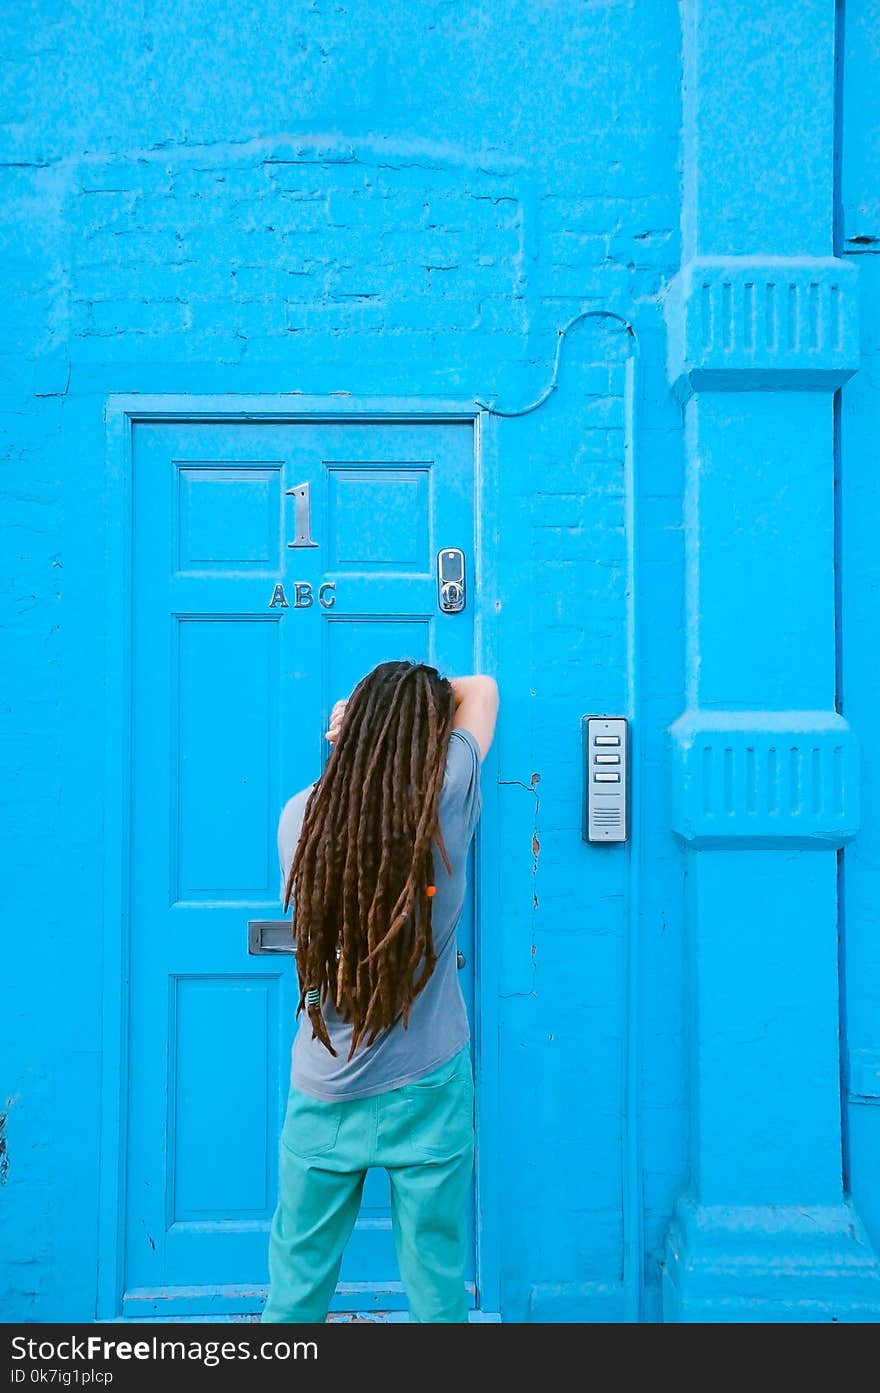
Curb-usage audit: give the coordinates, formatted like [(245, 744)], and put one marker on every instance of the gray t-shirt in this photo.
[(438, 1023)]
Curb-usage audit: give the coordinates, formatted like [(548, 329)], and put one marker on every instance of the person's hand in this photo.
[(336, 721)]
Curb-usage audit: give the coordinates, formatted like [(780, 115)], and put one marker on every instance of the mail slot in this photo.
[(274, 936), (270, 936)]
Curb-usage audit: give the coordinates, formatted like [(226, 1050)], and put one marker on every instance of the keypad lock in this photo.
[(605, 778), (450, 579)]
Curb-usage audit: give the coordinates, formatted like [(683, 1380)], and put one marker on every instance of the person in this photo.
[(373, 860)]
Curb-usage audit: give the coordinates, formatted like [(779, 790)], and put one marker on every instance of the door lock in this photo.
[(450, 579)]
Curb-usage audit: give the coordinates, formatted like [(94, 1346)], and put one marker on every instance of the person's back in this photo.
[(373, 859), (437, 1025)]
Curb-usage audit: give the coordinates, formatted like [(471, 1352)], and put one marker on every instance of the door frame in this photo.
[(122, 412)]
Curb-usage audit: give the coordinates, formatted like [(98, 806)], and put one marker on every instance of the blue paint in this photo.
[(207, 1030), (751, 323), (859, 173), (764, 767), (859, 518), (444, 214), (787, 779), (623, 1300)]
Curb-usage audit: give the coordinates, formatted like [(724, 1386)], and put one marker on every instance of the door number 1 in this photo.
[(302, 516), (303, 595)]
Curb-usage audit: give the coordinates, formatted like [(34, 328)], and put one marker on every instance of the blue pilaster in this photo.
[(763, 329)]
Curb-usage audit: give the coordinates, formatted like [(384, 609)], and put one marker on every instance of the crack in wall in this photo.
[(4, 1153), (530, 787)]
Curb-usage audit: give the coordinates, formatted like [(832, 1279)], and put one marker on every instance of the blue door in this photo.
[(274, 564)]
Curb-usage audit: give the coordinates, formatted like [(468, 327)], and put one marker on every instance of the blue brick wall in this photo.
[(859, 519), (399, 200)]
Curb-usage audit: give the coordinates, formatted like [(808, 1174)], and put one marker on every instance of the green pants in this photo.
[(423, 1135)]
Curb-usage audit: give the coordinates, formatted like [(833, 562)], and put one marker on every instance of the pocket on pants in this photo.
[(311, 1125), (440, 1110)]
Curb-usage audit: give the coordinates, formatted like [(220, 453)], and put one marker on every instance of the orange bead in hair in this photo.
[(430, 890)]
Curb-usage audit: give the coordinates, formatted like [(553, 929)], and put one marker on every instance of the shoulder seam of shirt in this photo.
[(469, 739)]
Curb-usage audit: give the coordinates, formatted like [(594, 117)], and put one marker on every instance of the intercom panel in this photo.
[(605, 778)]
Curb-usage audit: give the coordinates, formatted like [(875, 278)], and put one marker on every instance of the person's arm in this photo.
[(476, 708)]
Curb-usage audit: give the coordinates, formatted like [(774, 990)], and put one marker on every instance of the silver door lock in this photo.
[(450, 579), (605, 778)]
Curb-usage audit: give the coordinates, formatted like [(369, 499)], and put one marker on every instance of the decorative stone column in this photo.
[(762, 324)]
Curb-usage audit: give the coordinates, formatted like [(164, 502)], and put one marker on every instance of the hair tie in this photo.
[(313, 997), (430, 890)]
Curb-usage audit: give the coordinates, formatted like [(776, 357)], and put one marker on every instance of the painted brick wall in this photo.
[(398, 200), (860, 633)]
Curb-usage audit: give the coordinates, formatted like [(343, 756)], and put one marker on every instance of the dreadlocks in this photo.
[(363, 864)]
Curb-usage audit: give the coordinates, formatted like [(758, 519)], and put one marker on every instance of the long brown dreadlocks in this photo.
[(363, 864)]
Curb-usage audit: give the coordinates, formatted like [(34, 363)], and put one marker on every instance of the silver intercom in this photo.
[(605, 778), (450, 579)]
